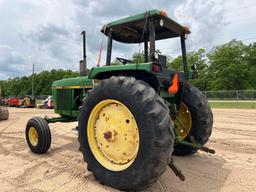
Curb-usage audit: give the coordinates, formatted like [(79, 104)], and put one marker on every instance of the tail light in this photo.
[(156, 68)]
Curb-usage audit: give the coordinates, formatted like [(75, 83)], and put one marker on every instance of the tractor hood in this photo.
[(73, 83)]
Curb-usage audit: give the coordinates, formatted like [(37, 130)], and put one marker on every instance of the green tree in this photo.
[(229, 67), (138, 57), (200, 60), (251, 59), (21, 86)]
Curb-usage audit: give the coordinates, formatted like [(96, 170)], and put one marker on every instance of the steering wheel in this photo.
[(124, 61)]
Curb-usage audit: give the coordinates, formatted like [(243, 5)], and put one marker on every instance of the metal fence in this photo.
[(231, 95), (211, 95)]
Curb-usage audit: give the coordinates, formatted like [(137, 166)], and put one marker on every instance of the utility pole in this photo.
[(0, 93), (33, 78)]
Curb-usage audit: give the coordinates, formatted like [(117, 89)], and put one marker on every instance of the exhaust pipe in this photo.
[(83, 63)]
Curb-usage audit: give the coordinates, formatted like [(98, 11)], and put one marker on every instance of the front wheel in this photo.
[(38, 135), (194, 119), (125, 133)]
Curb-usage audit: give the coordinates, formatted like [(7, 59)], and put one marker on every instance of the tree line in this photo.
[(21, 86), (230, 66)]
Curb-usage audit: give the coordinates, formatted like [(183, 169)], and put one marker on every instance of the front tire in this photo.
[(150, 117), (202, 119), (38, 135)]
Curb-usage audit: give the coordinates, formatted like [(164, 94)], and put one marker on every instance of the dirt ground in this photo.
[(232, 168)]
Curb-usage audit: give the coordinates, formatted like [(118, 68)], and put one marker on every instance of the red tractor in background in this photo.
[(13, 102)]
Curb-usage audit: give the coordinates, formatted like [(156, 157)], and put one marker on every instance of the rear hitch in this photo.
[(207, 150), (196, 146), (176, 170)]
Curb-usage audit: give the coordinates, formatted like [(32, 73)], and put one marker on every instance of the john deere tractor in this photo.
[(131, 117)]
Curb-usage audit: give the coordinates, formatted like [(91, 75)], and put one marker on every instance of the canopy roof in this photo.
[(130, 29)]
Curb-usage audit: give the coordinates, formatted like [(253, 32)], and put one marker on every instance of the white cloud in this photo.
[(11, 61), (47, 32), (205, 18), (241, 18)]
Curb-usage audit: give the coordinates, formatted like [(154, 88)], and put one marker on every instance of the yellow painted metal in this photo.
[(33, 136), (73, 87), (113, 135), (183, 121)]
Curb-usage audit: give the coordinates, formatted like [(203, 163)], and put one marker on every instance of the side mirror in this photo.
[(193, 67), (154, 56), (194, 71)]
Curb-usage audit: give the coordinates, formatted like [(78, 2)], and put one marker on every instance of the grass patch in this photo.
[(38, 102), (233, 104)]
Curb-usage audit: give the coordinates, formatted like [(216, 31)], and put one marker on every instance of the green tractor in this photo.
[(131, 117)]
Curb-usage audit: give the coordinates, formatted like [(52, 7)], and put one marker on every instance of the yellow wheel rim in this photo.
[(113, 135), (33, 136), (183, 121)]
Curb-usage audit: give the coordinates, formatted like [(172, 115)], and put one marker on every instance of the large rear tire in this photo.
[(153, 133), (202, 119)]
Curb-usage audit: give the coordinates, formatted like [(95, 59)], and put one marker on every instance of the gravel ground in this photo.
[(232, 168)]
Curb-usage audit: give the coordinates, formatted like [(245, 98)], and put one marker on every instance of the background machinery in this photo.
[(4, 113), (28, 102), (13, 102), (46, 103)]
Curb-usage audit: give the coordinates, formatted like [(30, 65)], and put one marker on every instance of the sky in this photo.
[(47, 33)]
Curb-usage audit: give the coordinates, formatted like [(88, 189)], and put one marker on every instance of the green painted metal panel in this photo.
[(97, 70), (69, 113), (130, 29), (164, 93), (64, 99), (63, 92), (77, 81), (133, 18)]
